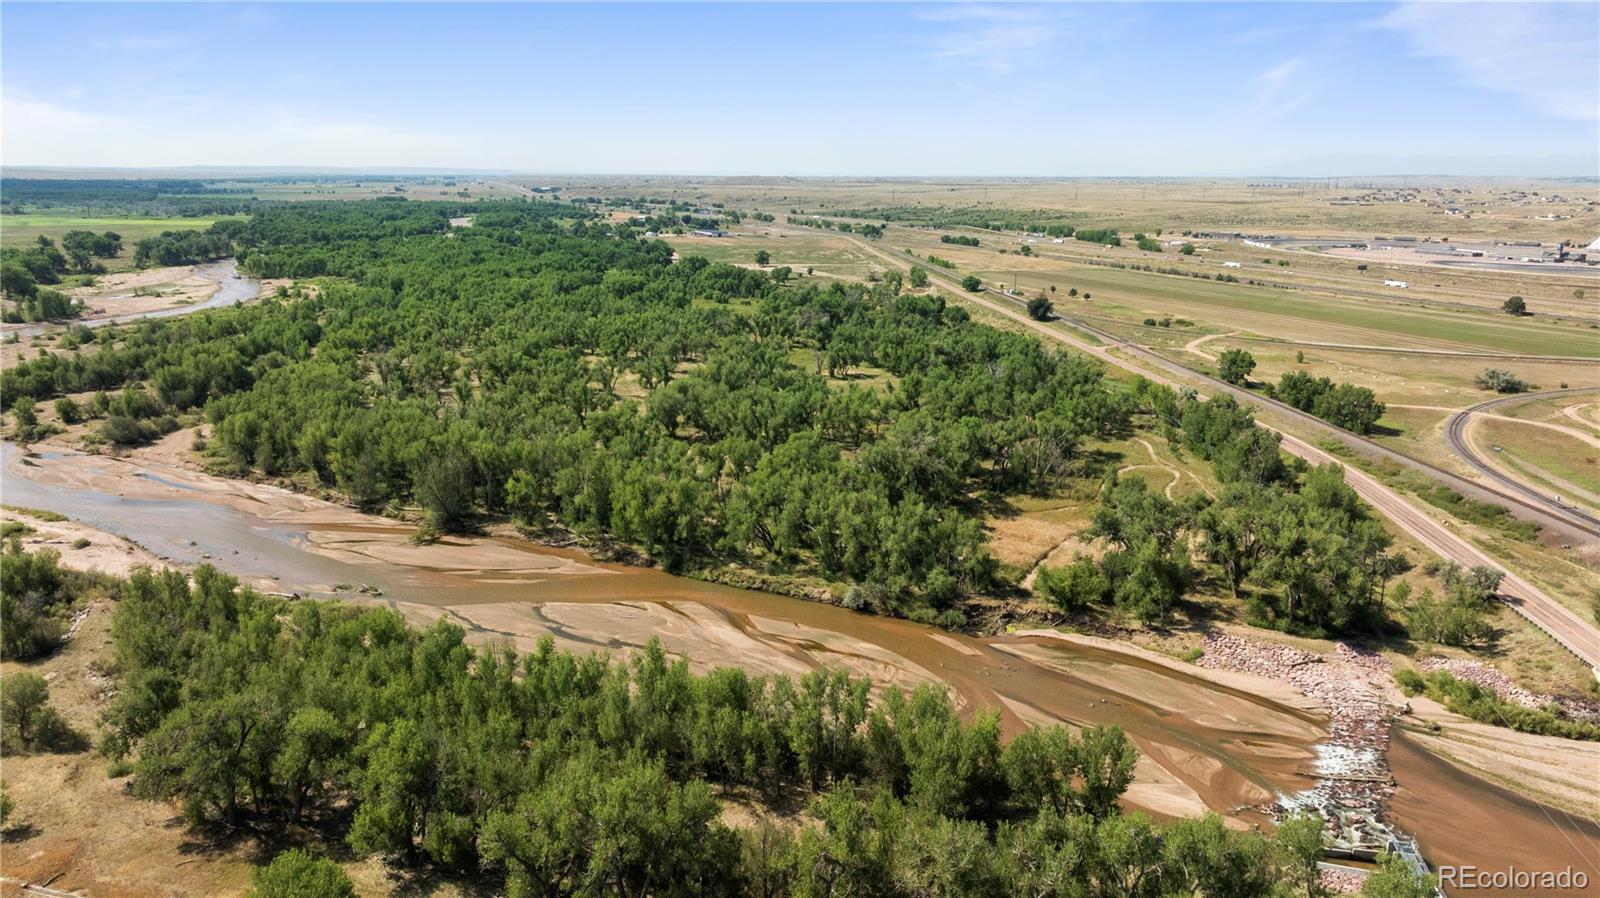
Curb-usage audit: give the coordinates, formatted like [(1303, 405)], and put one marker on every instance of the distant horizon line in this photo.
[(25, 170)]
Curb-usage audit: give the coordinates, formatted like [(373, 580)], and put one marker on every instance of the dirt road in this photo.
[(1577, 635)]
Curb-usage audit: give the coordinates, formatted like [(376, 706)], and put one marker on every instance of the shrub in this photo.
[(296, 874), (1501, 382), (1409, 681), (1073, 587)]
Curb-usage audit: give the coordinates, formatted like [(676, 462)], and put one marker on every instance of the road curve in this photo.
[(1455, 434), (1568, 528), (1566, 627)]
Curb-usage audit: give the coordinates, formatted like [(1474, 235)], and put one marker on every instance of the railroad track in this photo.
[(1560, 623), (1576, 527), (1455, 434)]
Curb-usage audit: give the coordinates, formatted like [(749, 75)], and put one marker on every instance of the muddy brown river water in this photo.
[(1208, 740)]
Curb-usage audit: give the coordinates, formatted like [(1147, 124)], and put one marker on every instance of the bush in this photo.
[(1409, 681), (1471, 700), (122, 430), (28, 723), (34, 595), (1501, 382), (1454, 620), (68, 411), (296, 874), (1073, 587)]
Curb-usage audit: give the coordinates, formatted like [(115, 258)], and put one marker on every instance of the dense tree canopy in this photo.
[(583, 776), (557, 372)]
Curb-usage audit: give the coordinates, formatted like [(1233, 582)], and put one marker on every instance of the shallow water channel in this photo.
[(1205, 741)]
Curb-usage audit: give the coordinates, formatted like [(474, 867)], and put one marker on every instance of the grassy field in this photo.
[(430, 188), (1569, 466), (21, 230), (1299, 207), (828, 253), (1289, 315)]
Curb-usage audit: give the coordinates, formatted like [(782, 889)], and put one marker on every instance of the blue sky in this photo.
[(809, 89)]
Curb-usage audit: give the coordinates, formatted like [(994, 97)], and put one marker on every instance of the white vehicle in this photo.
[(1231, 265), (1393, 283)]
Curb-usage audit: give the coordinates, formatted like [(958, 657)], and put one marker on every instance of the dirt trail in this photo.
[(1156, 464), (1577, 413), (1570, 491), (1586, 436), (1195, 344)]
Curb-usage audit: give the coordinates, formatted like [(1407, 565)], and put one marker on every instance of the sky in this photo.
[(945, 89)]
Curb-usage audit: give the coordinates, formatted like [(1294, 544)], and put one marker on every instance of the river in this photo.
[(231, 288), (1207, 741)]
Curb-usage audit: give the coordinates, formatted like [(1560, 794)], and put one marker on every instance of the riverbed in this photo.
[(1207, 739), (231, 288)]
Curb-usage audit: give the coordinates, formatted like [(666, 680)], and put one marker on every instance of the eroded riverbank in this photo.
[(1215, 740), (1206, 744)]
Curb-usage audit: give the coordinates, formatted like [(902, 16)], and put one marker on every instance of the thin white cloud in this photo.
[(1280, 88), (36, 131), (991, 37), (1545, 53)]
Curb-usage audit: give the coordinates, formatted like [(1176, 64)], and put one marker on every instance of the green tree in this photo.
[(445, 487), (1206, 858), (28, 723), (971, 283), (1040, 764), (1106, 758), (1515, 306), (1187, 249), (24, 413), (1040, 308), (763, 258), (1300, 847), (1501, 381), (24, 698), (918, 277), (1234, 365)]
